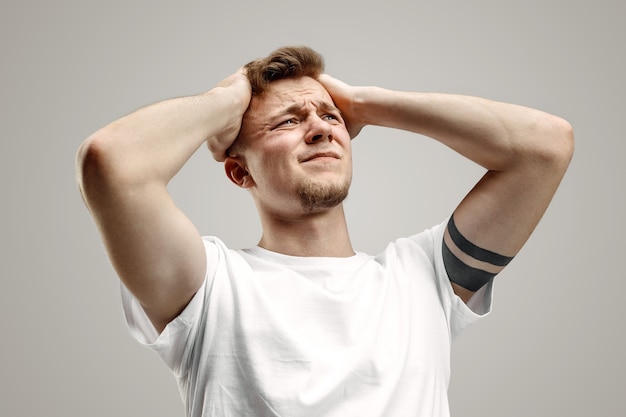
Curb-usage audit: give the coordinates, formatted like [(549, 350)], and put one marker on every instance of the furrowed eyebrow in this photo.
[(327, 106), (298, 109), (292, 109)]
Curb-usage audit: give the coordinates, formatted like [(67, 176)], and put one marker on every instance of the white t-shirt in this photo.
[(276, 335)]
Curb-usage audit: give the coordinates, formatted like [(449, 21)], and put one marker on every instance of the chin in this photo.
[(316, 196)]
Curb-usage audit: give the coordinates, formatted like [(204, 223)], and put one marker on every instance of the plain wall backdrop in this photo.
[(554, 344)]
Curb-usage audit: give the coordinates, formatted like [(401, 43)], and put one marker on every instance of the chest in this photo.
[(334, 333)]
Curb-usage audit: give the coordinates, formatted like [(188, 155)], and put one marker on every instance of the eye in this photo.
[(331, 118), (286, 123)]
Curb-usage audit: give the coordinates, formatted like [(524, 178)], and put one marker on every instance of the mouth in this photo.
[(320, 156)]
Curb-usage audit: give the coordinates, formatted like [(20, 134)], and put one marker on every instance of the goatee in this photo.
[(315, 196)]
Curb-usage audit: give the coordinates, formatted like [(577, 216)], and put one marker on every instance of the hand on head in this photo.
[(235, 88), (344, 96)]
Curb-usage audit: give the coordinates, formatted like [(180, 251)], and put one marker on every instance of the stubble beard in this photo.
[(316, 196)]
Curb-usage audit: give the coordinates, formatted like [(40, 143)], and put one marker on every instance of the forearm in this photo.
[(123, 170), (153, 143), (525, 151), (498, 136)]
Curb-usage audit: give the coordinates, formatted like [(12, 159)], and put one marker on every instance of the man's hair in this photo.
[(286, 62), (283, 63)]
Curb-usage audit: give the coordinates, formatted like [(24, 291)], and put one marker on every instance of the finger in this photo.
[(332, 83), (239, 75)]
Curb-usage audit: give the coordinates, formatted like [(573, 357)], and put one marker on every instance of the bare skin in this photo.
[(299, 135), (123, 170), (525, 152), (295, 138)]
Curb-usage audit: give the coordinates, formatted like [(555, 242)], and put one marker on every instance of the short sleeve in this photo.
[(461, 314), (173, 342)]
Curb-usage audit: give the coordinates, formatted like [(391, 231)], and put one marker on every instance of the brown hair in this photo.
[(286, 62)]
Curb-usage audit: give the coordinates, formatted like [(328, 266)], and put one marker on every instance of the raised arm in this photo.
[(123, 170), (525, 151)]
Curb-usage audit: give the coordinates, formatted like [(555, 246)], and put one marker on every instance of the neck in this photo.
[(317, 234)]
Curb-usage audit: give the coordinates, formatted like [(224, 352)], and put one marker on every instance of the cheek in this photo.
[(279, 153), (270, 167)]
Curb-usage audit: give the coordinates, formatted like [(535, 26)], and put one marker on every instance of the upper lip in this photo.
[(320, 155)]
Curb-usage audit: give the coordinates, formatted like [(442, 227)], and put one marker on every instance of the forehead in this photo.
[(287, 92)]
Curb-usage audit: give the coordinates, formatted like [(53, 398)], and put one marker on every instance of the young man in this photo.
[(302, 325)]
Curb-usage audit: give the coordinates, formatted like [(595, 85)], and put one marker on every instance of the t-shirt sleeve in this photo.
[(173, 343), (460, 314)]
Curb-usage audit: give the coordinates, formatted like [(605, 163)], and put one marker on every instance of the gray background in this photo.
[(554, 344)]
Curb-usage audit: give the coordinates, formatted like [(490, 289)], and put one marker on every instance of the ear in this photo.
[(237, 172)]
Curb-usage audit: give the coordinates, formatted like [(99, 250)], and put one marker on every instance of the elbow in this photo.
[(94, 166), (87, 158), (552, 145), (90, 158), (562, 143)]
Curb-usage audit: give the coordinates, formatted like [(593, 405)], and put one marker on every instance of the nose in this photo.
[(320, 130)]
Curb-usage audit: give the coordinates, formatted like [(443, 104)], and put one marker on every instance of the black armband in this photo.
[(465, 275)]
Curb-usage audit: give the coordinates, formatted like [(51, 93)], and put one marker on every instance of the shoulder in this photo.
[(423, 245)]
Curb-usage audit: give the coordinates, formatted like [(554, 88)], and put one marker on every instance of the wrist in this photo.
[(364, 105)]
